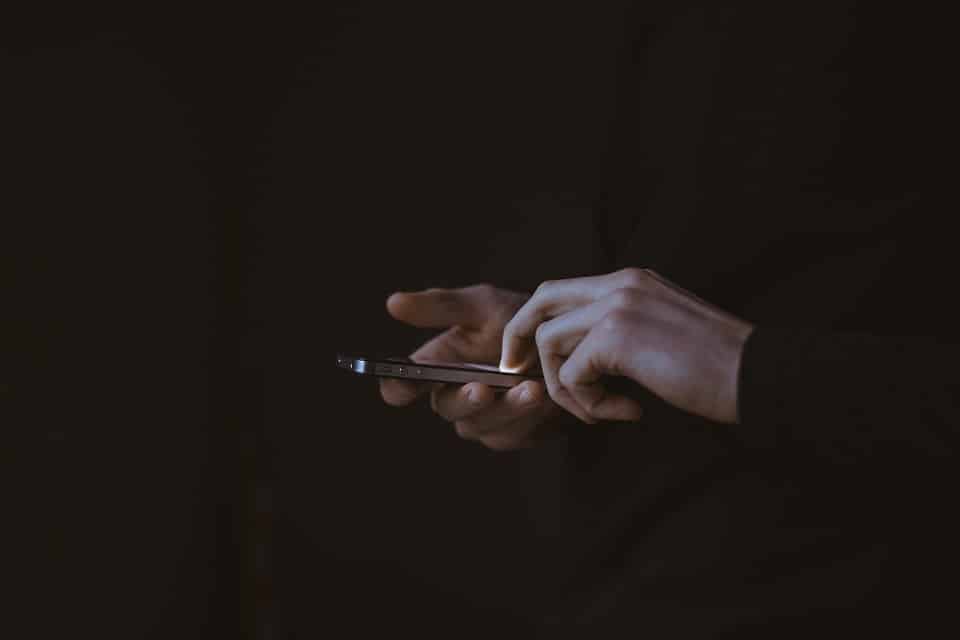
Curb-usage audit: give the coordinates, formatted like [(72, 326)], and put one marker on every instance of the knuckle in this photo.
[(615, 320), (590, 403), (566, 377), (485, 289), (544, 286), (458, 334), (550, 384), (542, 333), (626, 297), (639, 278), (634, 277)]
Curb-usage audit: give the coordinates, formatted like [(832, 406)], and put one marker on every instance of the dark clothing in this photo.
[(794, 165)]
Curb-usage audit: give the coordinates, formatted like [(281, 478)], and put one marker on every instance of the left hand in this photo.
[(631, 323)]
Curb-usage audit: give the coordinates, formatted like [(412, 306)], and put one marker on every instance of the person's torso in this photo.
[(794, 165)]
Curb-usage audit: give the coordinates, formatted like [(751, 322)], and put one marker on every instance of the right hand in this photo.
[(474, 318)]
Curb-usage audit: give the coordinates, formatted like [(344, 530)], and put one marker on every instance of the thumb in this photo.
[(438, 308)]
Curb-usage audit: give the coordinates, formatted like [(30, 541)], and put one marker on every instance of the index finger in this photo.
[(441, 308), (552, 298)]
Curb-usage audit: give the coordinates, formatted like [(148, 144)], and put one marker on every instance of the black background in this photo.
[(200, 210)]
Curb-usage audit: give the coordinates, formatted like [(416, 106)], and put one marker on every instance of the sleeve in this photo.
[(851, 395), (604, 257)]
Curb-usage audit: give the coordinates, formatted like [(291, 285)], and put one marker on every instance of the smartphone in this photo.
[(430, 371)]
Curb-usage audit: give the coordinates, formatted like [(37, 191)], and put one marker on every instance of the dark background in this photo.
[(201, 209)]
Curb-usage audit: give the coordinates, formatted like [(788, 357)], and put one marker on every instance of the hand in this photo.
[(474, 318), (631, 323)]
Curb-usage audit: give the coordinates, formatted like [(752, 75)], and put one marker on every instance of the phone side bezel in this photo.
[(387, 368)]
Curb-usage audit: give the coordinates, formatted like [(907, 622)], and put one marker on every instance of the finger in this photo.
[(398, 392), (604, 405), (445, 347), (551, 299), (449, 346), (580, 375), (401, 393), (561, 335), (454, 403), (519, 409), (550, 363), (440, 308), (558, 338)]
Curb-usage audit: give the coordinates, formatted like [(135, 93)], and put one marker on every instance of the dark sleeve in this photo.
[(604, 254), (851, 395)]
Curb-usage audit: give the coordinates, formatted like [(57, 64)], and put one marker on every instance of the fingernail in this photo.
[(508, 368)]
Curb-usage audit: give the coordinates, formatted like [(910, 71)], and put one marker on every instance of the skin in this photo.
[(631, 323), (635, 324), (473, 319)]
